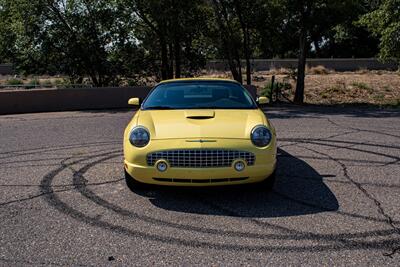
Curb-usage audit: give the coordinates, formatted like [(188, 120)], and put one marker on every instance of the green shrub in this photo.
[(33, 84), (62, 83), (46, 83), (338, 88), (362, 86), (395, 103), (270, 90), (14, 81), (379, 97), (132, 82)]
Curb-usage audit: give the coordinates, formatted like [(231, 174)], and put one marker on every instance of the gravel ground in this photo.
[(63, 200)]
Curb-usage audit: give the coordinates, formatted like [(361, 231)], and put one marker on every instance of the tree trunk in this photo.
[(171, 61), (232, 68), (317, 48), (246, 40), (239, 68), (247, 55), (230, 49), (177, 47), (301, 68), (164, 59)]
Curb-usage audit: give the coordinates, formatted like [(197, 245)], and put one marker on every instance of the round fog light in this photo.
[(239, 166), (162, 166)]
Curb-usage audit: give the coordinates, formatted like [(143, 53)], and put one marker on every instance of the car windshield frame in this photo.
[(251, 102)]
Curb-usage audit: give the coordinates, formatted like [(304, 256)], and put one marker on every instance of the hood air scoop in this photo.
[(199, 114)]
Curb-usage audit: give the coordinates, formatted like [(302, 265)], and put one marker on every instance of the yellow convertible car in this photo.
[(199, 132)]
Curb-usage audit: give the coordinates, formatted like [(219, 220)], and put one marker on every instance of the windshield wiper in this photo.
[(159, 107)]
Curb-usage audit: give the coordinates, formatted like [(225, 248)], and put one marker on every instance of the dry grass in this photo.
[(346, 88), (322, 86), (326, 87), (318, 70), (32, 81)]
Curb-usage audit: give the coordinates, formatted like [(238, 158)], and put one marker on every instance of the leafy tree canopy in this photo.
[(384, 22)]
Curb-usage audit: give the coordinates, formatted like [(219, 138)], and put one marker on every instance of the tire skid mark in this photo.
[(80, 180), (394, 158), (307, 140), (388, 219), (64, 208), (17, 153), (52, 191), (54, 201), (359, 129), (78, 176)]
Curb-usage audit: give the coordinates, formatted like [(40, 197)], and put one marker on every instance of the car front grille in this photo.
[(200, 158)]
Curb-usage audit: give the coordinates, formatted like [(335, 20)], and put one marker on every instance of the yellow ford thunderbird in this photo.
[(199, 132)]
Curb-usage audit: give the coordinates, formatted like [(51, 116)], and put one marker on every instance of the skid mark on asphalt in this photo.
[(388, 219), (336, 242)]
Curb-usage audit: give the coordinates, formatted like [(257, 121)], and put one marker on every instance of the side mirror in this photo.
[(134, 101), (262, 100)]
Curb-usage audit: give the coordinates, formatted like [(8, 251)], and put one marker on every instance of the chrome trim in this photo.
[(200, 158), (255, 128), (138, 127)]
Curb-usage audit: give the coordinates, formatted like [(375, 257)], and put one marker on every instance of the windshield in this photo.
[(199, 95)]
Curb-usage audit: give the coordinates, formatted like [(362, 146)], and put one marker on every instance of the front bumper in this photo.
[(137, 167)]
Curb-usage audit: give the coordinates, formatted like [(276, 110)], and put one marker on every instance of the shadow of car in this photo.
[(299, 190)]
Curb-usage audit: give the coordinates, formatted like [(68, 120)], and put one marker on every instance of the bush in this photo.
[(14, 81), (339, 88), (269, 89), (33, 84), (46, 83), (318, 70), (62, 83), (362, 86)]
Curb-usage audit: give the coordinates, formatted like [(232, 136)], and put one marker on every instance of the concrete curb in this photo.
[(48, 100)]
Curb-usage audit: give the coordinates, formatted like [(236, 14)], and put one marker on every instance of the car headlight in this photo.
[(139, 136), (261, 136)]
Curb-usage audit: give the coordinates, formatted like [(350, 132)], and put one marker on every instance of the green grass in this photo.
[(14, 81), (379, 97), (362, 86)]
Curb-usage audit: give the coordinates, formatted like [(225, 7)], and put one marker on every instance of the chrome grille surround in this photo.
[(200, 158)]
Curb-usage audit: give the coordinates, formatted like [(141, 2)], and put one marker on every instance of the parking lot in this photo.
[(63, 199)]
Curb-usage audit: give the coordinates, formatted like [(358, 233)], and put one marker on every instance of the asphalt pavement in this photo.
[(63, 200)]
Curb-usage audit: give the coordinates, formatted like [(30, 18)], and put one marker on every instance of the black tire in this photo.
[(267, 184), (133, 184)]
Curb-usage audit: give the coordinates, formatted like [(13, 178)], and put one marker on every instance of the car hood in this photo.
[(173, 124)]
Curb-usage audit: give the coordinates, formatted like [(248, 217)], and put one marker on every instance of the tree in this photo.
[(20, 22), (176, 25), (244, 11), (345, 37), (7, 36), (110, 41), (384, 22), (311, 19), (79, 38), (236, 23), (229, 40)]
